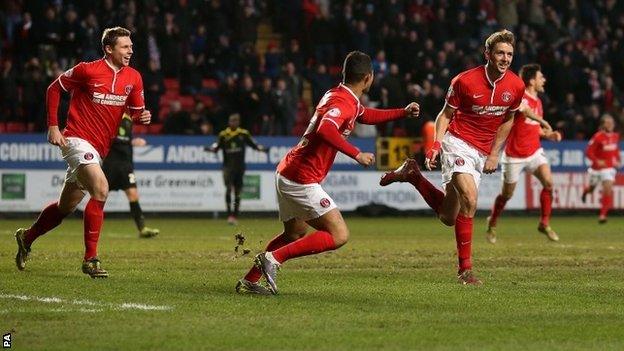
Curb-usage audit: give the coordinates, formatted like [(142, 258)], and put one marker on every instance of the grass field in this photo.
[(392, 287)]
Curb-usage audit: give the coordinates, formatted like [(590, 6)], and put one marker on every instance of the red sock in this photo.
[(314, 243), (432, 195), (606, 201), (546, 206), (463, 237), (48, 219), (93, 218), (497, 209), (277, 242)]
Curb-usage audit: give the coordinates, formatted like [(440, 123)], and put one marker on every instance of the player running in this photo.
[(604, 152), (470, 131), (119, 171), (100, 92), (301, 199), (523, 151), (232, 140)]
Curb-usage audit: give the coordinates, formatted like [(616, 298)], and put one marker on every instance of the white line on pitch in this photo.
[(122, 306)]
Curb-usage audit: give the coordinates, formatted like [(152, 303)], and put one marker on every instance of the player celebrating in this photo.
[(604, 152), (232, 140), (119, 171), (470, 130), (301, 199), (100, 91), (524, 152)]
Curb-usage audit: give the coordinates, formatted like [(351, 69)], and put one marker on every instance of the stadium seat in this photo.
[(140, 129), (30, 127), (2, 127), (15, 127), (172, 84), (210, 84), (155, 128)]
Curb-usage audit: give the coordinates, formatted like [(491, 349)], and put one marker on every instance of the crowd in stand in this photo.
[(210, 48)]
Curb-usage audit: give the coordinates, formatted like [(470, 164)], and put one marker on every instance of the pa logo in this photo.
[(6, 341), (460, 161)]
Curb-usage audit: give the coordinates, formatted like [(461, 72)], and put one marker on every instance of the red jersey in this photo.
[(99, 97), (310, 160), (604, 146), (481, 104), (332, 123), (524, 138)]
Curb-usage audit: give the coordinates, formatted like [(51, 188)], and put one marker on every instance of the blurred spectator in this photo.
[(248, 104), (320, 81), (8, 92), (33, 94), (265, 108), (178, 122), (285, 114), (154, 87)]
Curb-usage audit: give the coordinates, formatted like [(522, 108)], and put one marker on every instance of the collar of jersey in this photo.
[(350, 91), (111, 67), (488, 78)]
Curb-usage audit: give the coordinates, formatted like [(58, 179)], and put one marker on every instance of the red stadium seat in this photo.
[(30, 127), (207, 100), (16, 127), (210, 84), (2, 127), (172, 84), (155, 128), (187, 102), (140, 129)]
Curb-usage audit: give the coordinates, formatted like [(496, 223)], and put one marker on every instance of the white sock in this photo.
[(270, 257)]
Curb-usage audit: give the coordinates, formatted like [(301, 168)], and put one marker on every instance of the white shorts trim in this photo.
[(78, 152), (513, 166), (460, 157), (302, 201), (597, 176)]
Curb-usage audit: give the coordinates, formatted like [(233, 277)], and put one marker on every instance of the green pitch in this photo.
[(392, 287)]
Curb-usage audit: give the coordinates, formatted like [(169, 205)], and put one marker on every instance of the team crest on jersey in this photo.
[(69, 73), (88, 156), (460, 161), (325, 202), (334, 112), (506, 96), (128, 89)]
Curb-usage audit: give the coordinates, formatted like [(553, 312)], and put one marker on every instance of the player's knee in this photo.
[(468, 202), (447, 220), (340, 236), (100, 191), (548, 184)]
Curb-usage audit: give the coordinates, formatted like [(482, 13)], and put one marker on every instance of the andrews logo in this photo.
[(6, 341)]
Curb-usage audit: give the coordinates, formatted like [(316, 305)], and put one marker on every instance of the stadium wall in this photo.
[(175, 174)]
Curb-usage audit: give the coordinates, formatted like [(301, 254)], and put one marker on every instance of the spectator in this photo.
[(320, 81), (33, 93), (178, 122), (154, 87), (285, 114), (8, 91)]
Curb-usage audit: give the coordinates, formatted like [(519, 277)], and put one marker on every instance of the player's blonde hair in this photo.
[(502, 36), (110, 35)]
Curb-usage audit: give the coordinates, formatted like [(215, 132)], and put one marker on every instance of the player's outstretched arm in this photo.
[(254, 144), (491, 162), (441, 125), (330, 134), (377, 116), (528, 112)]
